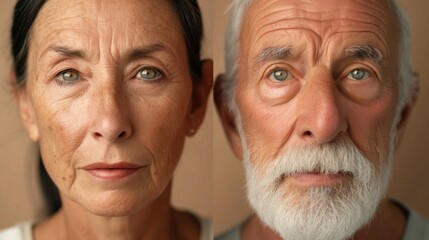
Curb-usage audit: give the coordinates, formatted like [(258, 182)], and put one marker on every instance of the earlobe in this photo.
[(200, 94), (227, 119), (27, 113)]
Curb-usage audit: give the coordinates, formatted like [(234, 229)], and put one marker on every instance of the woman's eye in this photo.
[(279, 75), (358, 74), (149, 73), (68, 76)]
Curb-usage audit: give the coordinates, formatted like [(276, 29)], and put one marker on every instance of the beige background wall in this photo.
[(410, 176), (19, 194), (209, 179)]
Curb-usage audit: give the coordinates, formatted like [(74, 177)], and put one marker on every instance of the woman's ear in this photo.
[(200, 94), (227, 118), (25, 108)]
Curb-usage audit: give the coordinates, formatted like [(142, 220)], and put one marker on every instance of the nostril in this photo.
[(122, 134), (308, 134)]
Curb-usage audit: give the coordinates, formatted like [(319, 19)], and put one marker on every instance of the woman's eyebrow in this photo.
[(131, 55), (144, 51), (65, 51)]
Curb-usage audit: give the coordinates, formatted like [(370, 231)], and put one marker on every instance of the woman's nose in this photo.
[(320, 118), (110, 115)]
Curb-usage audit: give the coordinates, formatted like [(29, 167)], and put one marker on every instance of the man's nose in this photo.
[(110, 116), (320, 119)]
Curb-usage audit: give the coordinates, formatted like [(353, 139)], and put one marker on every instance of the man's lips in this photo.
[(318, 179), (114, 171)]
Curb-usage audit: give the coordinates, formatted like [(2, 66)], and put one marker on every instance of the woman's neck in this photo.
[(155, 221)]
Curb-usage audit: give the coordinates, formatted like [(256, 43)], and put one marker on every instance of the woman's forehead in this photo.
[(106, 25)]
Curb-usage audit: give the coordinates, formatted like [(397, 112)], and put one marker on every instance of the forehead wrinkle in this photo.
[(71, 29), (383, 47), (312, 47), (325, 29), (123, 33), (320, 44), (325, 18)]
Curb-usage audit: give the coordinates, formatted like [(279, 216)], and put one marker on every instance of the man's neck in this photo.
[(155, 221), (388, 223)]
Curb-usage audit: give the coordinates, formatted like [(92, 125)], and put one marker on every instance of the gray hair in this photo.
[(407, 82)]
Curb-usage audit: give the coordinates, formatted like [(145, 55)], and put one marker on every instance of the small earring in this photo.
[(191, 132)]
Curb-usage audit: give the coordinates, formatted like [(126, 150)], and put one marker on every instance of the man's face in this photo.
[(317, 95)]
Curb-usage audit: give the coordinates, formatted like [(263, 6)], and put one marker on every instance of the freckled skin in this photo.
[(108, 99), (110, 115)]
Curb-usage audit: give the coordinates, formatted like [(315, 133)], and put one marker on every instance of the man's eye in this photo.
[(358, 74), (69, 75), (149, 73), (279, 75)]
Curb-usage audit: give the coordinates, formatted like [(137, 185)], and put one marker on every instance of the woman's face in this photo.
[(109, 98)]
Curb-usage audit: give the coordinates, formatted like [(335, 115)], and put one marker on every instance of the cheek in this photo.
[(267, 128), (162, 129), (370, 129), (62, 128)]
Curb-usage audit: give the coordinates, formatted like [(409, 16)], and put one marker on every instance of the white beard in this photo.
[(322, 213)]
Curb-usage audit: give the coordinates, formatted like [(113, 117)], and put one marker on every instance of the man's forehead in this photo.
[(325, 5), (318, 23), (323, 18)]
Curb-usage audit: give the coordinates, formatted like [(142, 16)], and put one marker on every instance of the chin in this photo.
[(118, 203)]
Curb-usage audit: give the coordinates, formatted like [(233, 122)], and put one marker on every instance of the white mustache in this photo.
[(340, 157)]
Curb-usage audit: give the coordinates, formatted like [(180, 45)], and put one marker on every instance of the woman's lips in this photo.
[(113, 171)]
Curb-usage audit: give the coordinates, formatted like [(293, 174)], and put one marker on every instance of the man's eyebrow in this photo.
[(365, 52), (273, 53)]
